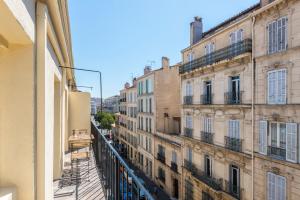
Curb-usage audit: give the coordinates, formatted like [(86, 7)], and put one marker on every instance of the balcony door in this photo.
[(234, 89), (234, 180), (207, 91)]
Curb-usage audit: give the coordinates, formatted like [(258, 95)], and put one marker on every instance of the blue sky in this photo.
[(120, 37)]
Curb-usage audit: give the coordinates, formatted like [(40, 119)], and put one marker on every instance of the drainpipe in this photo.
[(252, 104)]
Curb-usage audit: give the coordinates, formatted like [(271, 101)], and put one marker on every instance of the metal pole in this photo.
[(100, 92)]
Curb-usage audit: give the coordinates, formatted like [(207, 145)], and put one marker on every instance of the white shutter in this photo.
[(291, 142), (271, 186), (274, 37), (239, 35), (263, 137), (271, 87), (280, 188), (269, 30), (281, 87), (279, 34)]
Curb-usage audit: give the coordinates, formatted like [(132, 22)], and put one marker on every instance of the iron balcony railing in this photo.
[(276, 152), (212, 182), (174, 166), (161, 158), (234, 144), (206, 99), (123, 99), (118, 180), (188, 132), (207, 137), (188, 100), (228, 52), (233, 97), (233, 190)]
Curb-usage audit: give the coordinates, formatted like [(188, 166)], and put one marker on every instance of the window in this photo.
[(234, 89), (161, 174), (207, 125), (150, 105), (236, 36), (146, 105), (189, 121), (277, 87), (188, 89), (150, 125), (234, 180), (276, 187), (277, 35), (189, 154), (234, 129), (146, 124), (142, 105), (161, 150), (207, 92), (147, 86), (207, 166), (174, 157), (188, 190), (190, 57), (209, 49)]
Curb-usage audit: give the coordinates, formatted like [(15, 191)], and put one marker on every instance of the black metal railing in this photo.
[(161, 158), (234, 144), (233, 190), (212, 182), (206, 99), (276, 152), (188, 100), (233, 97), (123, 99), (117, 179), (207, 137), (174, 166), (228, 52), (188, 132)]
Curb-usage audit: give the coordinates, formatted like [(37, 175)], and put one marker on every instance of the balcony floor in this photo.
[(79, 187)]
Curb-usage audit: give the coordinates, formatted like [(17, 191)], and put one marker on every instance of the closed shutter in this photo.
[(282, 33), (281, 87), (271, 87), (263, 137), (291, 142), (281, 188), (271, 186), (239, 35)]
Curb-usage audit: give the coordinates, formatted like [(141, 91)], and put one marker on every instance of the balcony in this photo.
[(188, 132), (207, 137), (232, 98), (216, 184), (233, 190), (277, 153), (119, 181), (206, 99), (188, 100), (226, 53), (123, 99), (233, 144), (174, 167), (161, 158)]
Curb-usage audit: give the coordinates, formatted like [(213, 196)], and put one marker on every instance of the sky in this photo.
[(120, 37)]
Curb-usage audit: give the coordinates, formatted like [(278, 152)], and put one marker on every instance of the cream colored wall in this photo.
[(79, 111), (16, 120)]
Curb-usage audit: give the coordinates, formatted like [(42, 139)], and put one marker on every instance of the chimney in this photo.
[(196, 30), (147, 70), (165, 62), (127, 85)]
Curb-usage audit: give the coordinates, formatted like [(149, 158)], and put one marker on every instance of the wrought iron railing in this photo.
[(276, 152), (188, 100), (233, 97), (233, 190), (174, 166), (207, 137), (212, 182), (206, 99), (118, 180), (234, 144), (188, 132), (228, 52), (161, 158)]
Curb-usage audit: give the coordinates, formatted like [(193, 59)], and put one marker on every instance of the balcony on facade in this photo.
[(174, 166), (232, 98), (206, 99), (207, 137), (212, 182), (188, 100), (123, 99), (161, 158), (277, 152), (229, 52), (233, 190), (188, 132), (234, 144)]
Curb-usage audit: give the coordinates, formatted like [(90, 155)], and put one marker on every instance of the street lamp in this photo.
[(94, 71)]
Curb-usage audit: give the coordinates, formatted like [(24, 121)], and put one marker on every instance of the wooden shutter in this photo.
[(281, 87), (271, 186), (291, 142), (280, 188), (271, 87), (263, 142)]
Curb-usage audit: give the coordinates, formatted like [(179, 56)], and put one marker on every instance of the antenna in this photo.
[(152, 62)]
